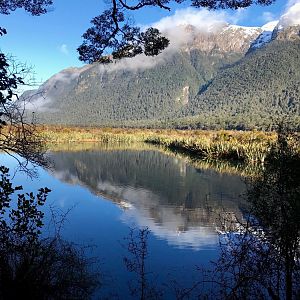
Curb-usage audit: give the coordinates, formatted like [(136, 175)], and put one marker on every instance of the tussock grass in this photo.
[(246, 146), (250, 147)]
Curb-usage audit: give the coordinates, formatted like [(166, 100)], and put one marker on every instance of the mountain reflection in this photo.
[(176, 201)]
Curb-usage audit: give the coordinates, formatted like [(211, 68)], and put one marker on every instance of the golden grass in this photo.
[(248, 146)]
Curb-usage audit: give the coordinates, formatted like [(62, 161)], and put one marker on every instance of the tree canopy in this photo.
[(35, 7)]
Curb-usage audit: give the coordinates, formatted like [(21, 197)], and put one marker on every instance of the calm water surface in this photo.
[(111, 191)]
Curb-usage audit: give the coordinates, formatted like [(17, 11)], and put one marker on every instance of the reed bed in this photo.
[(250, 147)]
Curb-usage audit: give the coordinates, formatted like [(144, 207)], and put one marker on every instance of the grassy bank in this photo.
[(250, 147), (246, 146)]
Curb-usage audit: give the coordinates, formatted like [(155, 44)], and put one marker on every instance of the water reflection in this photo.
[(259, 254), (176, 201)]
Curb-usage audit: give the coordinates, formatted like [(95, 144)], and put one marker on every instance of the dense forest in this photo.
[(255, 91), (123, 95)]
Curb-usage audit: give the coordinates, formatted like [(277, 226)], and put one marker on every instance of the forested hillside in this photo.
[(103, 97), (263, 86), (212, 82)]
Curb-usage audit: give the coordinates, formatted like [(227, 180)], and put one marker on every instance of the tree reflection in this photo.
[(32, 266), (260, 257), (137, 246)]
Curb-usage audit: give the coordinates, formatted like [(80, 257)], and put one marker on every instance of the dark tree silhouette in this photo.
[(35, 7), (33, 266), (136, 262), (260, 252), (262, 260), (275, 201), (17, 136)]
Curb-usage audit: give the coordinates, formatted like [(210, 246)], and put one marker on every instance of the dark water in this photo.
[(111, 191)]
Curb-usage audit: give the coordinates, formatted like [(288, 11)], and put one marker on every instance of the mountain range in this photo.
[(223, 77)]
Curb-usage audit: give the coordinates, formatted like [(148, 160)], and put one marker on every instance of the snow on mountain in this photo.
[(269, 26), (246, 30), (265, 36)]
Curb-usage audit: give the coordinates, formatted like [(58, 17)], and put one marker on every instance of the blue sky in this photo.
[(49, 42)]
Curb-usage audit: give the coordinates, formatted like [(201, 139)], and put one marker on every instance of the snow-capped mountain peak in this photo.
[(245, 29), (265, 36), (269, 26)]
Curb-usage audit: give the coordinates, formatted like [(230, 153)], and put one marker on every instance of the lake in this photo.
[(109, 190)]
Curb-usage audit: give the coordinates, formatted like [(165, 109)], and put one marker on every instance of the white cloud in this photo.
[(64, 49), (38, 100), (290, 3), (203, 19), (174, 28), (292, 14)]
